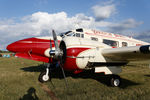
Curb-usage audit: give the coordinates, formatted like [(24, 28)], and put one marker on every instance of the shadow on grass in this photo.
[(104, 79), (31, 95), (39, 68), (126, 83), (147, 75)]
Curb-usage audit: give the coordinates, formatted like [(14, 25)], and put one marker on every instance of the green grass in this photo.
[(19, 81)]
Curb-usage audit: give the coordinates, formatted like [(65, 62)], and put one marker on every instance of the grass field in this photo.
[(19, 81)]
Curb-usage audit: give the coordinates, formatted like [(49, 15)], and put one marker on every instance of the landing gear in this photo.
[(115, 80), (45, 76)]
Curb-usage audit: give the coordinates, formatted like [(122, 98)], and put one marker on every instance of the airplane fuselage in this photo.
[(83, 46), (83, 49)]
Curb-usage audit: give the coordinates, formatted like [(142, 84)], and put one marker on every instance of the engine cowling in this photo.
[(78, 52)]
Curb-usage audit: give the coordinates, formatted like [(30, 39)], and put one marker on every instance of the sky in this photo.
[(30, 18)]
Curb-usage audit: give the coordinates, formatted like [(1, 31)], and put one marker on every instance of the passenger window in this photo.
[(77, 34), (124, 44), (82, 35), (93, 38), (111, 43)]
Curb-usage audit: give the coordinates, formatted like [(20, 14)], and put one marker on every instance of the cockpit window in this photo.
[(77, 34), (71, 34), (79, 30), (82, 35), (67, 32)]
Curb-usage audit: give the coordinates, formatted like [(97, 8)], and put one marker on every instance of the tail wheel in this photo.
[(115, 81), (43, 77)]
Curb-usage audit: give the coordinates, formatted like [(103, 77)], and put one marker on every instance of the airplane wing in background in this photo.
[(128, 54)]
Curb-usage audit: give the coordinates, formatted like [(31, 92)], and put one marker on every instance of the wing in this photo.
[(128, 54)]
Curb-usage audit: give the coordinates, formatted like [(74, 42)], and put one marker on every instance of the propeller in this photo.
[(50, 59), (57, 54), (50, 62)]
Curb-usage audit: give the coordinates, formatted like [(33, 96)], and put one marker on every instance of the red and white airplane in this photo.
[(83, 49)]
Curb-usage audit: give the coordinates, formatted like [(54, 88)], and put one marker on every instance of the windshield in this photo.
[(69, 33), (62, 34)]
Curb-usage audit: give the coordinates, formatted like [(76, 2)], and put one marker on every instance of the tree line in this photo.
[(1, 51)]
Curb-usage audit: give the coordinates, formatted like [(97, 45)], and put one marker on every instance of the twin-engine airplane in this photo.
[(83, 49)]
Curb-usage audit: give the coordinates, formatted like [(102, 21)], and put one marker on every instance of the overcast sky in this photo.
[(29, 18)]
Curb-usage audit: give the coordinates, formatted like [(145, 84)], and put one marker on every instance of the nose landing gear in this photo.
[(45, 76)]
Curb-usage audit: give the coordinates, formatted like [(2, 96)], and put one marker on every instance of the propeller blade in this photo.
[(51, 52), (63, 72), (57, 50), (50, 44), (55, 40)]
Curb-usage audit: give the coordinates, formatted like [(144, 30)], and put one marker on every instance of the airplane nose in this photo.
[(11, 47), (18, 46), (24, 45)]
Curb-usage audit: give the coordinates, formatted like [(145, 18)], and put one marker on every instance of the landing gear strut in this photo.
[(115, 80), (45, 76)]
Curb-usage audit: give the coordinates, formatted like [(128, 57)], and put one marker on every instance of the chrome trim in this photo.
[(81, 57)]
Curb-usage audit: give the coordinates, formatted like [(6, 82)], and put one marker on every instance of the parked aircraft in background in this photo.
[(83, 49)]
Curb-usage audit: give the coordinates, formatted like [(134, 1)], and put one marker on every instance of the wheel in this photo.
[(115, 81), (43, 77)]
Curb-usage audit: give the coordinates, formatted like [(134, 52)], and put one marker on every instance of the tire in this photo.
[(115, 81), (42, 77)]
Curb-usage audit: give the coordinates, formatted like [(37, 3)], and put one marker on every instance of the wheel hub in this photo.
[(116, 82), (45, 77)]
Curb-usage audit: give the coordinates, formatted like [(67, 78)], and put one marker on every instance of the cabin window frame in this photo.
[(78, 35), (94, 38), (124, 44), (111, 42), (82, 35)]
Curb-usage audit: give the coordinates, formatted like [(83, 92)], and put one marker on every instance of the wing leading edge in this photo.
[(128, 54)]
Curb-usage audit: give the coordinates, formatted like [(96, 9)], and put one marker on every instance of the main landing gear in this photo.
[(115, 80), (45, 76)]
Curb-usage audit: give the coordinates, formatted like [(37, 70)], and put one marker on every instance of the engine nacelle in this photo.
[(78, 52)]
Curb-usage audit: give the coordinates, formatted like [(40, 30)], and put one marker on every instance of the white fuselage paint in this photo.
[(94, 53)]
